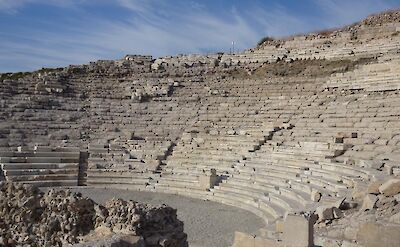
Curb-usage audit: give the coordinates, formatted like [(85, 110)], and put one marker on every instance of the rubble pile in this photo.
[(29, 217), (158, 225), (372, 223)]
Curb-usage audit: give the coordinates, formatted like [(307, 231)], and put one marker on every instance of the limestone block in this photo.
[(315, 196), (350, 232), (377, 235), (373, 164), (231, 132), (396, 171), (359, 191), (298, 231), (265, 242), (326, 212), (246, 240), (397, 197), (373, 187), (279, 226), (390, 188), (207, 181), (395, 218), (214, 132), (369, 202), (339, 203)]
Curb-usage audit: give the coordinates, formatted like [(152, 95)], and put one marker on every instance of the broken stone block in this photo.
[(378, 235), (208, 180), (373, 187), (350, 232), (369, 202), (390, 188), (359, 191), (349, 205), (339, 203), (214, 132), (298, 231), (279, 226), (337, 213), (315, 196), (328, 212), (324, 213), (395, 218)]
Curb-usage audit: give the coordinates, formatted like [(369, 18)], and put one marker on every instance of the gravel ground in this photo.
[(208, 224)]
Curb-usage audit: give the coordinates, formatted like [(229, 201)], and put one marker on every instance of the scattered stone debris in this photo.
[(29, 217), (375, 222)]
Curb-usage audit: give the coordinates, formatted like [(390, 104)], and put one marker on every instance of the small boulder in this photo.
[(359, 191), (339, 203), (337, 213), (324, 213), (328, 213), (315, 196), (390, 187), (373, 187), (349, 205), (372, 164), (369, 202)]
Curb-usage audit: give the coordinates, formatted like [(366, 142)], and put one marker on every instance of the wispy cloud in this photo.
[(157, 28), (343, 12), (13, 5)]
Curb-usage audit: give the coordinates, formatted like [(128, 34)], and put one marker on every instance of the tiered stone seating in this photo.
[(162, 125), (43, 166), (362, 41), (372, 124), (383, 76), (276, 180), (220, 150)]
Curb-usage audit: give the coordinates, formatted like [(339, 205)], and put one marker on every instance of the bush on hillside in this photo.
[(265, 39)]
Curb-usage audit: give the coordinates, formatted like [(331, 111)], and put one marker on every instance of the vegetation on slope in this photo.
[(315, 68), (18, 75)]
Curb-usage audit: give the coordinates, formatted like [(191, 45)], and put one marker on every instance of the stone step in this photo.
[(23, 166), (40, 154), (32, 172), (59, 183), (38, 160), (111, 180), (45, 177)]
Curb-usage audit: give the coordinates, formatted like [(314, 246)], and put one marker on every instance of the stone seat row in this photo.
[(198, 168), (266, 207), (329, 179), (42, 166)]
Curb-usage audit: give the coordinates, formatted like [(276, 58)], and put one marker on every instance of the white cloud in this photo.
[(158, 28), (344, 12), (12, 6), (137, 5), (195, 32)]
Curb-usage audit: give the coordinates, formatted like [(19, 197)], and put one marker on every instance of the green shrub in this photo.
[(265, 39), (18, 75)]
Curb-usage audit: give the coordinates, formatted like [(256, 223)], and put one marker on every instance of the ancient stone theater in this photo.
[(301, 133)]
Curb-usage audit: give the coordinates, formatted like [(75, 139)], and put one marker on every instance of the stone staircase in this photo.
[(41, 166)]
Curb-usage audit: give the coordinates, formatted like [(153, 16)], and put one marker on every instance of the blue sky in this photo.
[(52, 33)]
